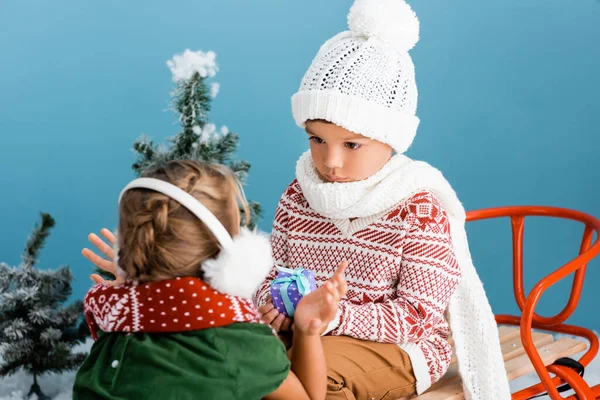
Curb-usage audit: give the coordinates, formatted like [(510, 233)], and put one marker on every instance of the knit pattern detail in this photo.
[(368, 69), (364, 79), (402, 270), (472, 321), (174, 305)]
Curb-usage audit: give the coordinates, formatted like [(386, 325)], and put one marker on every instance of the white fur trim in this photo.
[(242, 267)]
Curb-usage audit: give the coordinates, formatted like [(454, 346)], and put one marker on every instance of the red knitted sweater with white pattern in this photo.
[(402, 270)]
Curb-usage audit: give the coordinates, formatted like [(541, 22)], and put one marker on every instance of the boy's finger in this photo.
[(331, 289), (340, 280), (341, 269), (96, 278), (343, 287)]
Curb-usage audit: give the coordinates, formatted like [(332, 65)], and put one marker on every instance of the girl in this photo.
[(397, 221), (178, 322)]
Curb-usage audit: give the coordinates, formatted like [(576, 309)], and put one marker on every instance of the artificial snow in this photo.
[(214, 89), (184, 66), (207, 131), (57, 386)]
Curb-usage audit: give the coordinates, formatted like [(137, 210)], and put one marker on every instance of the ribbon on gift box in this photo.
[(301, 282)]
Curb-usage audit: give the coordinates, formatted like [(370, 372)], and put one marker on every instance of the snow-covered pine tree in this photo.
[(198, 139), (37, 332)]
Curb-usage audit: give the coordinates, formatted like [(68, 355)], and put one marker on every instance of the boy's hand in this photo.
[(317, 309), (279, 322)]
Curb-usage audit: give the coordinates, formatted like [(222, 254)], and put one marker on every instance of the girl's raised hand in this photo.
[(100, 262)]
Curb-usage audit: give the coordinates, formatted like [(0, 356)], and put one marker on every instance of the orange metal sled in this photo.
[(529, 319)]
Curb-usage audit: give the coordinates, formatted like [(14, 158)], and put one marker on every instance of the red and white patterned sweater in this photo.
[(402, 271)]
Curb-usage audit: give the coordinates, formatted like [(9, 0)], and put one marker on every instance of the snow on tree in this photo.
[(198, 139)]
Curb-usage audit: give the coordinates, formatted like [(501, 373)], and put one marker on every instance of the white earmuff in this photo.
[(244, 261)]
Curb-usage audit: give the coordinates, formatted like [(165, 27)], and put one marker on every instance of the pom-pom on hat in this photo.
[(364, 79)]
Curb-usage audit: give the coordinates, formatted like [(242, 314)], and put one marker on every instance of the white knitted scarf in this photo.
[(472, 322)]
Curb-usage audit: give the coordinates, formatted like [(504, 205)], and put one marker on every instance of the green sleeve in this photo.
[(256, 358)]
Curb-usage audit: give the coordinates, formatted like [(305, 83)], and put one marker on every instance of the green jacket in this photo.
[(240, 361)]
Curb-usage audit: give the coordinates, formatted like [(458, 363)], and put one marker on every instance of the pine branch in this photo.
[(55, 356), (198, 140), (36, 240), (6, 277), (55, 286), (17, 329), (70, 314), (18, 350), (50, 336), (146, 153), (41, 316), (76, 335), (72, 363), (36, 332), (62, 289), (191, 99), (226, 147), (255, 213), (10, 368), (241, 169), (23, 296), (183, 144)]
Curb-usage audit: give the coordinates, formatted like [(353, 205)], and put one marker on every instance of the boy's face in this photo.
[(344, 156)]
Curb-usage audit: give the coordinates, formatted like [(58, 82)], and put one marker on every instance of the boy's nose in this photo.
[(334, 160)]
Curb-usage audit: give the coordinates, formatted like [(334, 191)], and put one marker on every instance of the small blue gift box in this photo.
[(289, 287)]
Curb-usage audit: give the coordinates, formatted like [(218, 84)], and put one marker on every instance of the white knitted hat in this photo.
[(364, 79)]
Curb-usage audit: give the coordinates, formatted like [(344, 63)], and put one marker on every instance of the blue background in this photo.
[(508, 103)]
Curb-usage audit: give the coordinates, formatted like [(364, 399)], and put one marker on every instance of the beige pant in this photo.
[(362, 370)]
